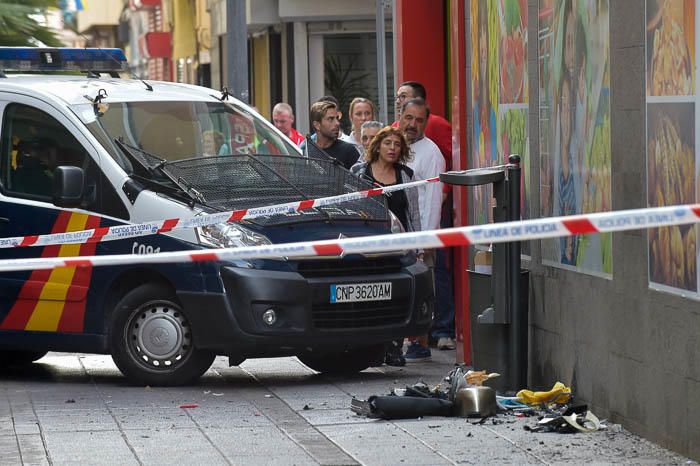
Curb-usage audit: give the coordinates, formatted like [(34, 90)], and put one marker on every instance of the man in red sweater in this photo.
[(438, 129), (283, 119)]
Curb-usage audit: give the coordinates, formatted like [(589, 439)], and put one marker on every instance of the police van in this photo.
[(82, 148)]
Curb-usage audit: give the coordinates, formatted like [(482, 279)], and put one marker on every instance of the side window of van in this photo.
[(33, 145)]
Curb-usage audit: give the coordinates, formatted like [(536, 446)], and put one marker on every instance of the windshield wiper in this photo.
[(157, 169)]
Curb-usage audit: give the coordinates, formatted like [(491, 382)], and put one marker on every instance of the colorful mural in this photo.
[(499, 95), (574, 109)]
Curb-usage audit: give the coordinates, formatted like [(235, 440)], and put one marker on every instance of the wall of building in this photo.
[(420, 38), (630, 352), (106, 14), (611, 321)]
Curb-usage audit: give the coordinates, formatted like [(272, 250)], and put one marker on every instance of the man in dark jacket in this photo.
[(325, 120)]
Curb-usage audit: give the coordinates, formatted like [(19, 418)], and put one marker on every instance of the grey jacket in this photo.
[(412, 214)]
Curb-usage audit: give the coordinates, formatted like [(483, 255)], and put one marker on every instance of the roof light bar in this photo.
[(62, 59)]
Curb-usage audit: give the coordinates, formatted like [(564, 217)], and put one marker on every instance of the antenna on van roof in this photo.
[(225, 94), (133, 74)]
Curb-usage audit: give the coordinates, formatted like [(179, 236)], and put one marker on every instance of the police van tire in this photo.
[(19, 358), (350, 361), (151, 340)]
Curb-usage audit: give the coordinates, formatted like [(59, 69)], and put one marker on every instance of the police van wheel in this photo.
[(350, 361), (20, 358), (151, 339)]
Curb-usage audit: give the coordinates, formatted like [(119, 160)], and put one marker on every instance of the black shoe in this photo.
[(394, 359)]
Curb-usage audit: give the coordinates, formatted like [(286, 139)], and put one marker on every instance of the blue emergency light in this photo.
[(62, 59)]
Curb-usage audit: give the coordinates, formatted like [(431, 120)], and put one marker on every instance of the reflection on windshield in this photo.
[(181, 130)]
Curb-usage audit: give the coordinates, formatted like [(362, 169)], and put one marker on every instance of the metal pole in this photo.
[(517, 353), (237, 49), (381, 62)]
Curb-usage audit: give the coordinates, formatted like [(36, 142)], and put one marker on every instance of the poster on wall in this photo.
[(574, 109), (672, 176), (499, 96)]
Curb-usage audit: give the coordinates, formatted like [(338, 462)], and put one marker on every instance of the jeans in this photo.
[(444, 316)]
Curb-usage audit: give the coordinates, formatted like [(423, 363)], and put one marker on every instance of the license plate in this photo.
[(358, 292)]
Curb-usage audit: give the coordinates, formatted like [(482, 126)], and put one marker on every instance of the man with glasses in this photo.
[(439, 131), (427, 163)]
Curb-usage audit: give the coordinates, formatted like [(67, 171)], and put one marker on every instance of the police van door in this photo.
[(36, 138)]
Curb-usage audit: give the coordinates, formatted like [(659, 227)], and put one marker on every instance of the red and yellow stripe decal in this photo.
[(54, 300)]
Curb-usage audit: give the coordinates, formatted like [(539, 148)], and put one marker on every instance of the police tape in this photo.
[(98, 235), (460, 236)]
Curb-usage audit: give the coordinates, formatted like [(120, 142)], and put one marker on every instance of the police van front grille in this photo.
[(360, 315), (347, 267)]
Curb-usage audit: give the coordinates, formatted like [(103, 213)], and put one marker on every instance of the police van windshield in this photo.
[(177, 130)]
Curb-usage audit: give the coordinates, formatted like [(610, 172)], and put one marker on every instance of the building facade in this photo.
[(599, 97), (300, 50)]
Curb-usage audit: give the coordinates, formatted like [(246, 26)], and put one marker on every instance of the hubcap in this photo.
[(159, 336)]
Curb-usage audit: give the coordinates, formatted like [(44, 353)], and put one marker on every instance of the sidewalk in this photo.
[(77, 409)]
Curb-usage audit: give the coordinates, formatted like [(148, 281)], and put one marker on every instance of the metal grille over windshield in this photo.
[(246, 181)]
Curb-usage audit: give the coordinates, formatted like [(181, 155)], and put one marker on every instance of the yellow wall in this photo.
[(261, 75), (184, 40), (203, 25)]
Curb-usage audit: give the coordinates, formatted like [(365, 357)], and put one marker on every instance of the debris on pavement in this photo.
[(420, 399), (464, 394), (401, 407), (559, 393), (573, 419), (192, 406), (479, 377)]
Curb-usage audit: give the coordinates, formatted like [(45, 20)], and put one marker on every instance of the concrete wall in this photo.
[(631, 353)]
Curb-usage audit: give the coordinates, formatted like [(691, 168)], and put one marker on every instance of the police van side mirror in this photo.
[(68, 186)]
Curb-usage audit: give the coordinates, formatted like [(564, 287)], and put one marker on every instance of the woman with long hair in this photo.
[(385, 165), (361, 110)]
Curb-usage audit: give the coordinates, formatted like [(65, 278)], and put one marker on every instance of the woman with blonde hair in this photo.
[(361, 110)]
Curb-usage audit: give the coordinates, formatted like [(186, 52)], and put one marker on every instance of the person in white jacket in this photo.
[(428, 162)]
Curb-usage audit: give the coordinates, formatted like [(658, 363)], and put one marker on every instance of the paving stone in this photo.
[(333, 416), (9, 450), (152, 419), (262, 445), (105, 447), (182, 446), (32, 449), (381, 443), (79, 420)]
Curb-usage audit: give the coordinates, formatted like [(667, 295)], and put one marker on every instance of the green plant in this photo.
[(344, 84), (18, 26)]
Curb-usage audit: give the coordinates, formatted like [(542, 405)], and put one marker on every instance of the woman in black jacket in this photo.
[(384, 165)]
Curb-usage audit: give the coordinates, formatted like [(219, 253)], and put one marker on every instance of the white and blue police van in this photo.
[(81, 148)]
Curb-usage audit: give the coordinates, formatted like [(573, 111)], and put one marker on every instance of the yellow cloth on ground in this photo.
[(559, 393)]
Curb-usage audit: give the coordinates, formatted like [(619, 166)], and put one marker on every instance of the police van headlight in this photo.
[(396, 226), (229, 235)]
